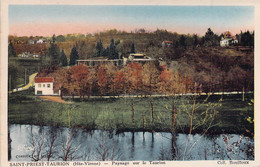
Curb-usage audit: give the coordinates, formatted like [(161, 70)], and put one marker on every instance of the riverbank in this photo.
[(229, 114)]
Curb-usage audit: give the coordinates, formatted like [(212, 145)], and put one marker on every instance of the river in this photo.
[(36, 143)]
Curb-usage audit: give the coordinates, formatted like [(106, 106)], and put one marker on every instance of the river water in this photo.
[(30, 143)]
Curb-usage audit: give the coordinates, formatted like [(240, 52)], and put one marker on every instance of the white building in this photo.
[(44, 86), (138, 58), (224, 42), (227, 39), (167, 43), (40, 41)]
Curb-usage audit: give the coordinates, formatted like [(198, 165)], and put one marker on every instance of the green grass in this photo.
[(116, 114)]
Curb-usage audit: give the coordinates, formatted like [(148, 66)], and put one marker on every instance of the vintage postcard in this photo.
[(129, 84)]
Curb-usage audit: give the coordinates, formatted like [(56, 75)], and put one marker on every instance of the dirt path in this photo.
[(31, 83), (54, 99)]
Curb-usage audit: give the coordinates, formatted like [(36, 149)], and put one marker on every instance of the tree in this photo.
[(111, 70), (102, 80), (11, 50), (62, 77), (61, 38), (52, 56), (91, 81), (210, 38), (133, 48), (74, 55), (119, 82), (247, 39), (13, 69), (99, 48), (195, 40), (150, 77), (80, 77), (112, 54), (64, 60), (182, 41), (134, 77), (86, 49)]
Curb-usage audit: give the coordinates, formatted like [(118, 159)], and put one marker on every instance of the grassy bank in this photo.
[(230, 114)]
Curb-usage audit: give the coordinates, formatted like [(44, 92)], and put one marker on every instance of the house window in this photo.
[(39, 92), (48, 85), (44, 85), (39, 85)]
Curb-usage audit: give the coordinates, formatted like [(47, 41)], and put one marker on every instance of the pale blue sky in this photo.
[(190, 19)]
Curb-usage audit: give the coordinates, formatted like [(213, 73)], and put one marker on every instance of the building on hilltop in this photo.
[(167, 44), (138, 58), (228, 40)]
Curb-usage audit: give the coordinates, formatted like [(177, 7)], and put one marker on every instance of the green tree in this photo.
[(133, 48), (12, 74), (99, 48), (64, 61), (111, 53), (74, 55), (11, 50), (61, 38), (195, 40), (247, 39), (211, 39), (183, 41), (52, 56)]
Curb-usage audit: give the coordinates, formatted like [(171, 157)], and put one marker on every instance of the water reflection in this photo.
[(38, 143)]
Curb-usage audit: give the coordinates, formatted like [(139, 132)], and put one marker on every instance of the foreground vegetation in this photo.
[(218, 115)]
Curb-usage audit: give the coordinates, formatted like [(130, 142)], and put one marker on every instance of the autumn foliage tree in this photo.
[(79, 78), (102, 80), (119, 82), (134, 78)]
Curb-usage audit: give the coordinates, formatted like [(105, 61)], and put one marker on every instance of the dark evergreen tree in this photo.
[(13, 70), (54, 53), (99, 48), (252, 40), (195, 40), (105, 52), (209, 33), (247, 38), (183, 41), (11, 50), (176, 45), (112, 54), (133, 48), (74, 55), (211, 39), (52, 56), (64, 61)]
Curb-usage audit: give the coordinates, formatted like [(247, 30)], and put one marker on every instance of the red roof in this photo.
[(43, 79)]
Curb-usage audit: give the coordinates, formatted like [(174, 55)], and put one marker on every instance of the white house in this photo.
[(167, 43), (224, 42), (40, 41), (44, 86), (137, 57), (35, 56), (227, 39)]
